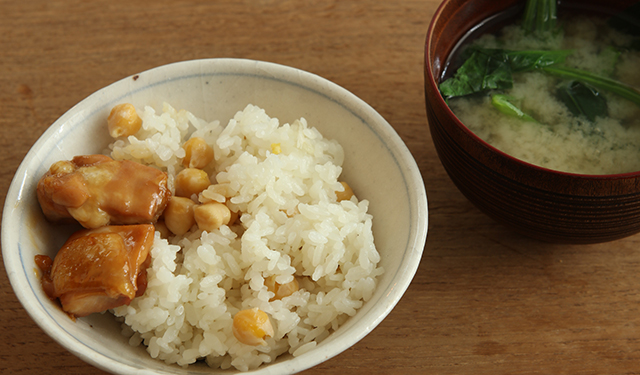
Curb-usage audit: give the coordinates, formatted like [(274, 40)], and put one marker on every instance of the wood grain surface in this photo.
[(484, 300)]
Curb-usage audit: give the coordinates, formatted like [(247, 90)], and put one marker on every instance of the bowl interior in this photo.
[(377, 165)]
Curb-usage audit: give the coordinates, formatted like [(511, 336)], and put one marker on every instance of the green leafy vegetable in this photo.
[(522, 61), (484, 70), (610, 56), (491, 69), (540, 16), (602, 83), (583, 100), (503, 103)]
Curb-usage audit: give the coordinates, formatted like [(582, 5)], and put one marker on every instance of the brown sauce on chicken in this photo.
[(98, 269), (103, 266), (96, 190)]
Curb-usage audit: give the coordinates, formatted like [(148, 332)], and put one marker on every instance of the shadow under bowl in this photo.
[(534, 201)]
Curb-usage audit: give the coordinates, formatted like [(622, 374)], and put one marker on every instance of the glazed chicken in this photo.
[(99, 269), (96, 190)]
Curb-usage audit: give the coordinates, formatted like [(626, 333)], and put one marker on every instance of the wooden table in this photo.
[(484, 300)]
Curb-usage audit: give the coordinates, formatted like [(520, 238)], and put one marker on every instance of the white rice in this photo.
[(291, 225)]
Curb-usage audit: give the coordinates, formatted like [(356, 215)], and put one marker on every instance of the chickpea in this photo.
[(281, 290), (346, 194), (198, 154), (178, 216), (211, 216), (251, 326), (123, 121), (191, 181), (161, 227)]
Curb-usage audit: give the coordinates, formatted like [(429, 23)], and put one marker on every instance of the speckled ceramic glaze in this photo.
[(377, 165)]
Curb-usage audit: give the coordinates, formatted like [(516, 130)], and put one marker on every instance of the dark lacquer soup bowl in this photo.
[(538, 202)]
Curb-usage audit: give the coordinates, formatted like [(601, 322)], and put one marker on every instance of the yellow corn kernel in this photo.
[(346, 194), (198, 154), (191, 181), (275, 148), (281, 290), (251, 326), (123, 121), (211, 216)]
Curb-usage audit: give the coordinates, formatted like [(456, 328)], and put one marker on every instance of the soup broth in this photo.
[(555, 138)]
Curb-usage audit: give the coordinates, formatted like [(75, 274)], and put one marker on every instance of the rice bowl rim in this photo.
[(19, 268)]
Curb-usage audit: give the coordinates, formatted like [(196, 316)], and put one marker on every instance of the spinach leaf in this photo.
[(491, 69), (597, 81), (540, 16), (486, 69), (610, 57), (504, 104), (583, 100), (522, 61)]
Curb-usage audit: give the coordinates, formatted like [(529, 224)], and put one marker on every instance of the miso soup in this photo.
[(551, 133)]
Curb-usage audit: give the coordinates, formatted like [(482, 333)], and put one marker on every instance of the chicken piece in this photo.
[(99, 269), (96, 190)]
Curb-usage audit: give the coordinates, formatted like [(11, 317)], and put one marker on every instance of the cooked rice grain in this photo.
[(290, 225)]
